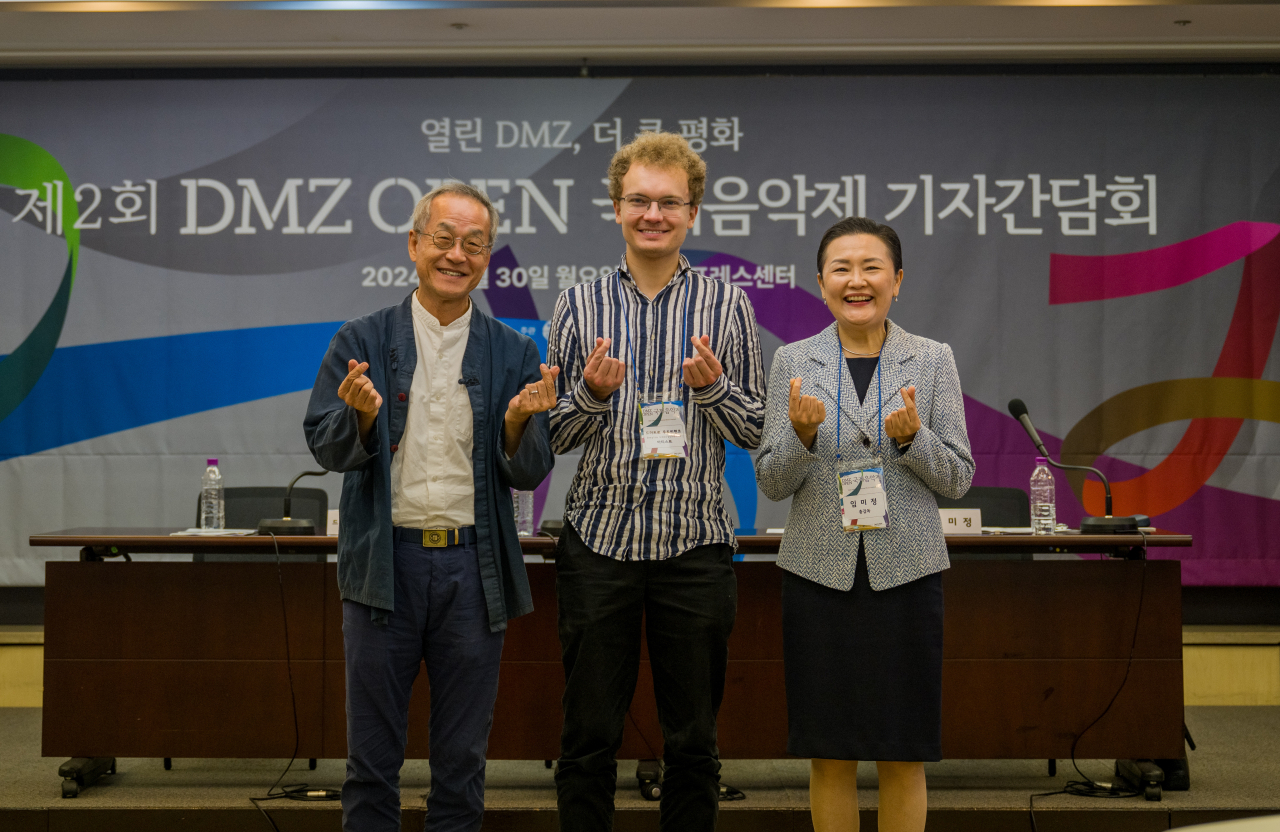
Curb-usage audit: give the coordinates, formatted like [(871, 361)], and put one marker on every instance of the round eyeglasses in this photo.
[(444, 241), (668, 205)]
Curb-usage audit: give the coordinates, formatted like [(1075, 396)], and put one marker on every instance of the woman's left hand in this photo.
[(903, 423)]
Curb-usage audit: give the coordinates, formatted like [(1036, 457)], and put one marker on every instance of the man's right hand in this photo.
[(603, 375), (357, 390)]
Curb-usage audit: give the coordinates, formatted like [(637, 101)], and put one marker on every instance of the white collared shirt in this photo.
[(432, 476)]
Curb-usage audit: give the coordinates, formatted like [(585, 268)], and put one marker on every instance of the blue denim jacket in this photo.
[(496, 365)]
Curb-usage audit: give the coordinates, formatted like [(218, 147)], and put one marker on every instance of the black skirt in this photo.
[(863, 669)]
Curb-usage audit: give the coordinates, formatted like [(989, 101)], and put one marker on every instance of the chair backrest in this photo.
[(245, 507), (1000, 506)]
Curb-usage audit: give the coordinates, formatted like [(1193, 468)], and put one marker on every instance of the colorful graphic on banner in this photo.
[(219, 235), (1218, 405), (32, 172)]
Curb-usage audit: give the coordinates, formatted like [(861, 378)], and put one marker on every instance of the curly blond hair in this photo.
[(659, 150)]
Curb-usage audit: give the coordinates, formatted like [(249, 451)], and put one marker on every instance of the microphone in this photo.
[(1088, 525), (1018, 410), (288, 525)]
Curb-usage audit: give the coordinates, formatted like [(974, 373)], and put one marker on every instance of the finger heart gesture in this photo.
[(806, 414), (536, 397), (357, 390), (703, 368), (603, 374), (903, 423)]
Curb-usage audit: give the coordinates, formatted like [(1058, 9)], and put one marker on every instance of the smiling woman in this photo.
[(862, 597), (859, 277)]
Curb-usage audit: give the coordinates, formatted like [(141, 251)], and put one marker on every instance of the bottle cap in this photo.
[(212, 462), (1039, 460)]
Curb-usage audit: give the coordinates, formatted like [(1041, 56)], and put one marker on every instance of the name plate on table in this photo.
[(961, 520)]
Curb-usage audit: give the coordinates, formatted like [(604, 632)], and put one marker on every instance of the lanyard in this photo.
[(684, 337), (840, 384)]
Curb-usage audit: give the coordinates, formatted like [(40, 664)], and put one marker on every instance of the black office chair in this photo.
[(1000, 507), (246, 506)]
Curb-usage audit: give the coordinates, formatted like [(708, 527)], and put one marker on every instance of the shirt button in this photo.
[(401, 397), (395, 448)]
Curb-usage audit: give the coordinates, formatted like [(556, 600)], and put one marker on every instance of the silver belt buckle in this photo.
[(435, 538)]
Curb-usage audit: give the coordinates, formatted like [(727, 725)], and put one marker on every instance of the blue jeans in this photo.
[(440, 619)]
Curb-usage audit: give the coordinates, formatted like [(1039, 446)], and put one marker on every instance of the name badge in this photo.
[(863, 504), (662, 433)]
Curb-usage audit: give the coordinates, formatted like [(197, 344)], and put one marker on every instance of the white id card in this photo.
[(863, 503), (662, 433)]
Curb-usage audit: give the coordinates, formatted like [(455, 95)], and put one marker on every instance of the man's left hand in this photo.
[(703, 368), (534, 398), (903, 423)]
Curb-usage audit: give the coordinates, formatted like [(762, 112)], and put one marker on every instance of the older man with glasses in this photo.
[(661, 366), (429, 564)]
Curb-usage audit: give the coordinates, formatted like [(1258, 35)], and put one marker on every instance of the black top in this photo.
[(862, 369)]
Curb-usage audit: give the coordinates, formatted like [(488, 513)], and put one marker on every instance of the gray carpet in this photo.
[(1236, 767)]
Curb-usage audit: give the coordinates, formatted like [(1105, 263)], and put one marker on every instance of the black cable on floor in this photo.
[(1087, 786), (301, 791)]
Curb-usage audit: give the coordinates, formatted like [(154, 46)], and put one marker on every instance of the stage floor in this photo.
[(1234, 773)]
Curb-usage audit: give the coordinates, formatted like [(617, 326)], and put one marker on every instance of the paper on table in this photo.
[(1006, 530), (212, 532)]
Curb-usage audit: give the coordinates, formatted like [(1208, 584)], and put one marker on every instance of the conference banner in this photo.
[(176, 255)]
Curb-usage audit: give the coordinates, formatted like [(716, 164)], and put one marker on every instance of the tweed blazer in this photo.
[(938, 460)]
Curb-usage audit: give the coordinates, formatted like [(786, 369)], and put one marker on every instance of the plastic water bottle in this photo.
[(213, 508), (522, 502), (1044, 514)]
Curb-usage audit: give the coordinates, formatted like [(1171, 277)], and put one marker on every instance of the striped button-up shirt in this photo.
[(623, 506)]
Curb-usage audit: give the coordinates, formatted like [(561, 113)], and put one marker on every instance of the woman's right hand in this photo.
[(806, 414)]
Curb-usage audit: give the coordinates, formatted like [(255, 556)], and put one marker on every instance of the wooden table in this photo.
[(164, 659)]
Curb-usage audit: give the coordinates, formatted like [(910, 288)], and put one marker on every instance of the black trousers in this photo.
[(688, 605)]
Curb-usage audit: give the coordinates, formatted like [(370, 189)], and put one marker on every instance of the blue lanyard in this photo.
[(684, 337), (879, 397)]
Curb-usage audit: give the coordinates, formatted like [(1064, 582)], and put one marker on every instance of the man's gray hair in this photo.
[(422, 211)]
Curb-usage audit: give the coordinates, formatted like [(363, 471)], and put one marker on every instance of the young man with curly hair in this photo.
[(660, 366)]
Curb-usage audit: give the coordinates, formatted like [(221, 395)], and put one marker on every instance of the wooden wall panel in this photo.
[(191, 611), (132, 708), (535, 637), (1064, 609), (1034, 709), (184, 659), (753, 719)]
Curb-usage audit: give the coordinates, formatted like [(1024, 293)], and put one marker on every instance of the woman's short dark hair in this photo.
[(862, 225)]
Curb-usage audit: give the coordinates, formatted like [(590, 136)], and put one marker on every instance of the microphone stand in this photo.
[(1098, 525), (1088, 525), (288, 525)]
